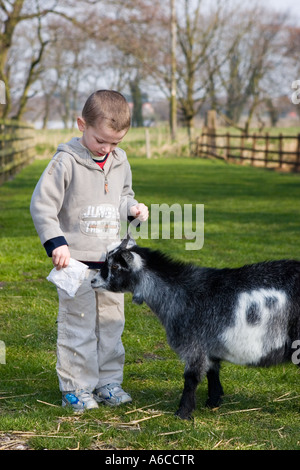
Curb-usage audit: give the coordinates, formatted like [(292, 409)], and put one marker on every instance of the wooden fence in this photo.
[(16, 147), (272, 151)]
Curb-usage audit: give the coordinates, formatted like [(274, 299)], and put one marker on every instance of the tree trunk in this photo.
[(173, 102), (5, 43), (137, 113)]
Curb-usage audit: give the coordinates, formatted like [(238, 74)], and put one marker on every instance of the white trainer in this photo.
[(79, 400), (112, 394)]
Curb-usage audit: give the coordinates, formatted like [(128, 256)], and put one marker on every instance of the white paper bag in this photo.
[(69, 279)]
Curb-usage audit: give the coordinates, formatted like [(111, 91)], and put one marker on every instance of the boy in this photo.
[(76, 208)]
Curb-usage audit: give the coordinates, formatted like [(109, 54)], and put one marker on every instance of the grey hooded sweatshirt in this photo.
[(77, 203)]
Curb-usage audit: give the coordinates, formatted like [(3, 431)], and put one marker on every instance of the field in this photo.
[(251, 215)]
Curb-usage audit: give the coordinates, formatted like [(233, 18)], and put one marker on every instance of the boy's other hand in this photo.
[(61, 257), (140, 211)]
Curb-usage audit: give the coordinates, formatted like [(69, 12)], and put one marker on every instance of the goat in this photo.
[(248, 315)]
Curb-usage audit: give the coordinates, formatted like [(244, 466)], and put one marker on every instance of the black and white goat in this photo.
[(248, 315)]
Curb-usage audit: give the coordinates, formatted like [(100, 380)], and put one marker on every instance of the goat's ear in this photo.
[(127, 256), (127, 242)]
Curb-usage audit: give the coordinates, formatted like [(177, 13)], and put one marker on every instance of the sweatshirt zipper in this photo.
[(105, 181), (105, 184), (102, 170)]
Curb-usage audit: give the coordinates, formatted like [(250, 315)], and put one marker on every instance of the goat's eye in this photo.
[(114, 266)]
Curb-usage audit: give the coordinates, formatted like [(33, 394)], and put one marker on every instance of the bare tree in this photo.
[(292, 54), (11, 14), (173, 99), (14, 12), (198, 38), (33, 71), (224, 55), (252, 45)]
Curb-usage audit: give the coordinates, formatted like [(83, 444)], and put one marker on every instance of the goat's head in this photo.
[(120, 271)]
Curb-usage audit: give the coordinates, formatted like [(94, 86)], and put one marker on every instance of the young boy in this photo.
[(76, 208)]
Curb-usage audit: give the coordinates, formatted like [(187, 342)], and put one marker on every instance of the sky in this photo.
[(285, 6), (292, 6)]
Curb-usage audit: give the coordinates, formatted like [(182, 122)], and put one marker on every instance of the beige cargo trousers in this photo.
[(90, 352)]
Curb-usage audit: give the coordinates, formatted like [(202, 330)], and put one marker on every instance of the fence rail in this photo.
[(259, 149), (16, 147)]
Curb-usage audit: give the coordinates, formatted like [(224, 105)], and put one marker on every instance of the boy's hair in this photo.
[(108, 105)]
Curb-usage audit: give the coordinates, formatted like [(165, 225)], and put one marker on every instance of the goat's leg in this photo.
[(187, 403), (215, 389)]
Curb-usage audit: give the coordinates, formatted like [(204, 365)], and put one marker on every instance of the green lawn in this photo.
[(250, 215)]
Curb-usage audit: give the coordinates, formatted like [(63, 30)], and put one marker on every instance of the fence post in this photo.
[(280, 151), (197, 146), (16, 148), (205, 146), (266, 149), (298, 154), (253, 149), (211, 130), (148, 148), (242, 148), (227, 146)]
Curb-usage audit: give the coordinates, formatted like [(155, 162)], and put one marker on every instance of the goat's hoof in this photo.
[(213, 403), (183, 415)]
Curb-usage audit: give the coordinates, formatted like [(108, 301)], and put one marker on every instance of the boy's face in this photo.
[(100, 139)]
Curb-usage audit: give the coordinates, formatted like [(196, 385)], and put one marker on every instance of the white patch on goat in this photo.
[(137, 262), (248, 341)]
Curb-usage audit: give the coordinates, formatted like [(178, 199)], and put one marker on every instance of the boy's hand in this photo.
[(140, 211), (61, 257)]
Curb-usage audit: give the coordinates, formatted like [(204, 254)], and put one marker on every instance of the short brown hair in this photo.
[(110, 106)]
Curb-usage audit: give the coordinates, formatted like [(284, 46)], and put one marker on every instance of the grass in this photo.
[(134, 143), (250, 215)]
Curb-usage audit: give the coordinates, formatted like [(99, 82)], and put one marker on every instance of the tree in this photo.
[(292, 54), (136, 94), (11, 14), (173, 105), (252, 45), (33, 71), (198, 38), (187, 50), (14, 12)]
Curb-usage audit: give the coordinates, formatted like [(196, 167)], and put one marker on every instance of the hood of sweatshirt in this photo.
[(83, 156)]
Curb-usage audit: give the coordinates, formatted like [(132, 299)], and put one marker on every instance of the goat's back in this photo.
[(246, 315), (255, 311)]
